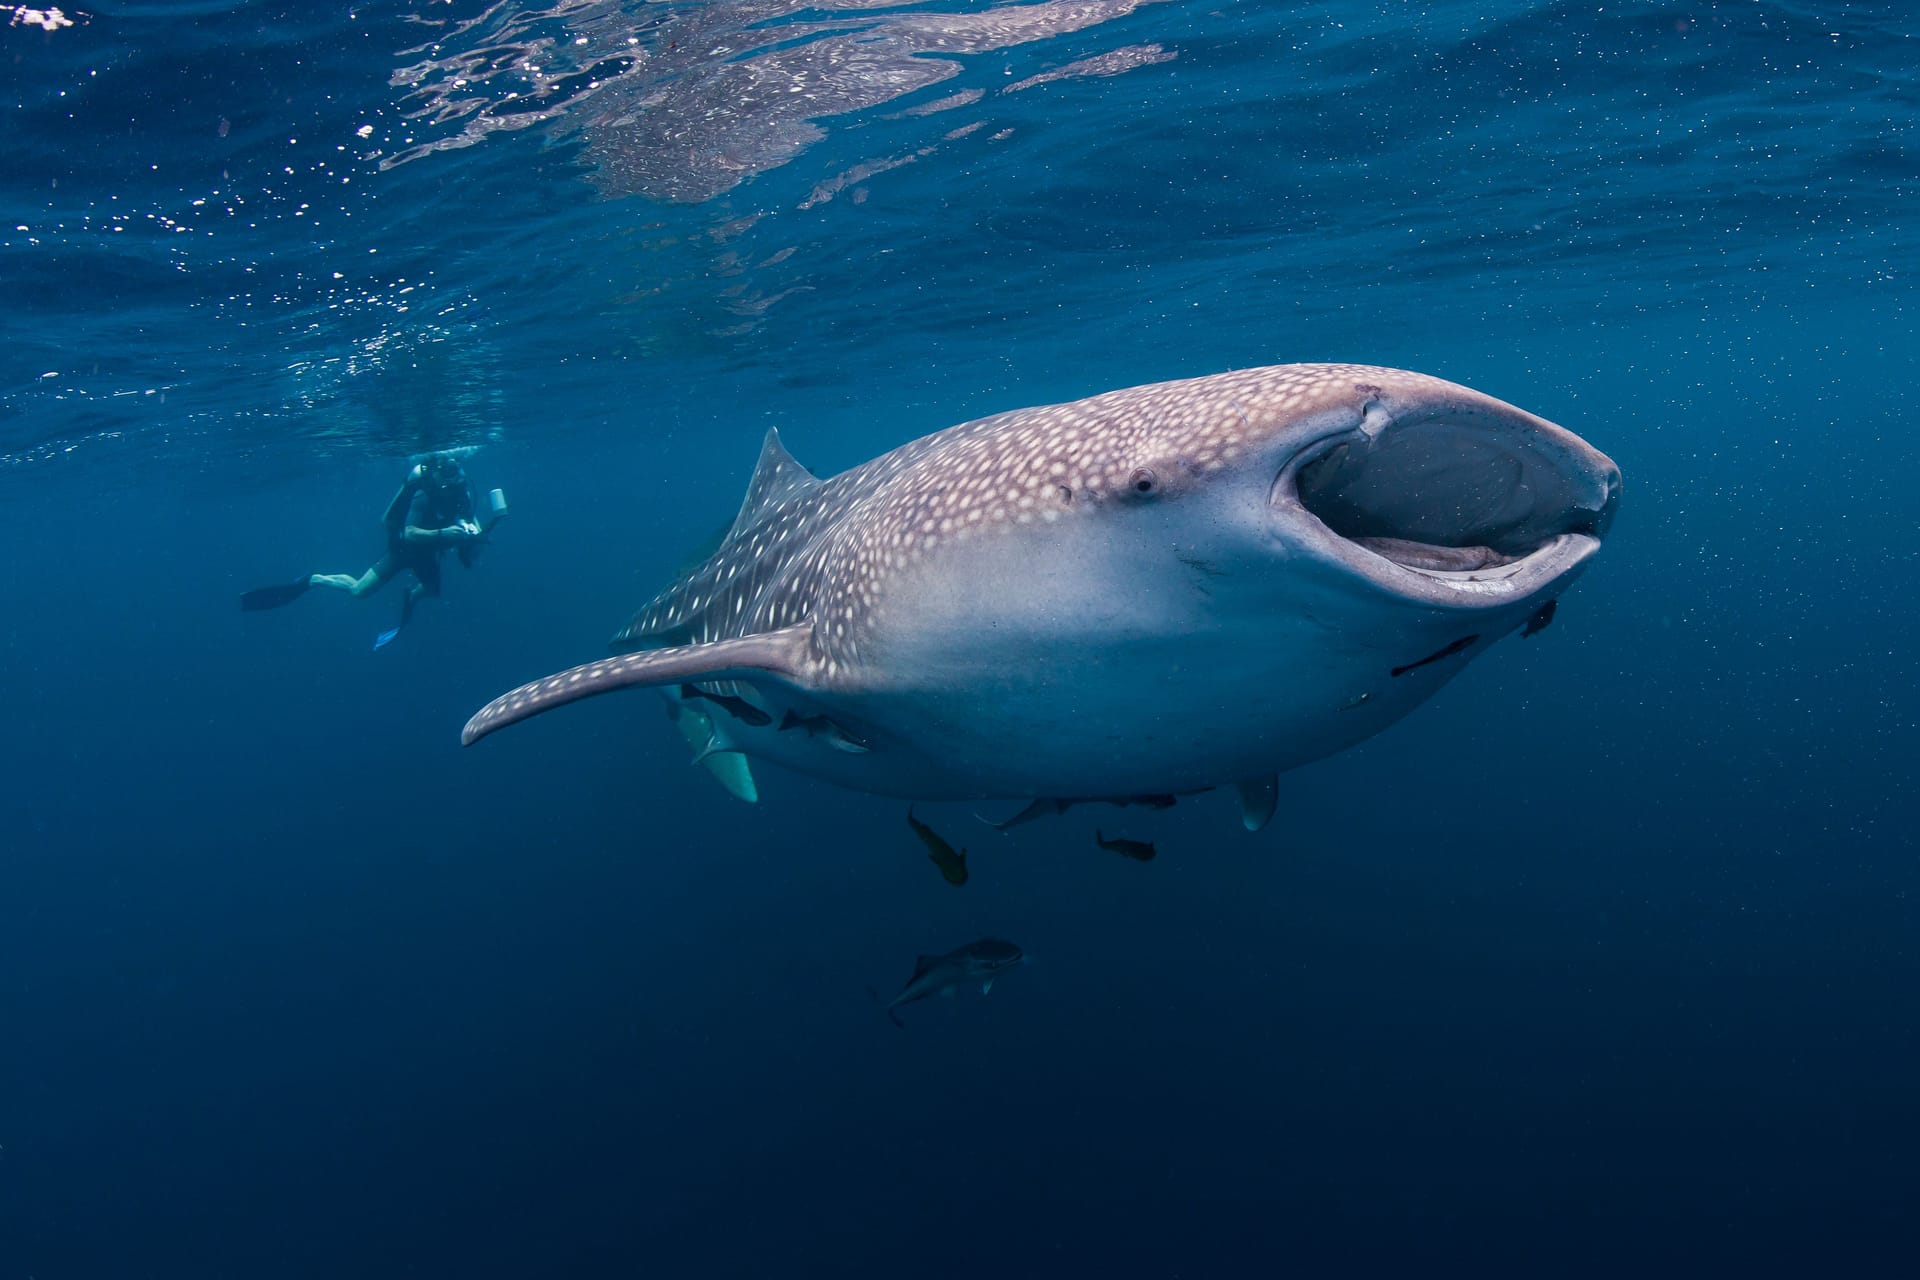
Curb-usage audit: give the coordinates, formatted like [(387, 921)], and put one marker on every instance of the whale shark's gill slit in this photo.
[(1445, 496)]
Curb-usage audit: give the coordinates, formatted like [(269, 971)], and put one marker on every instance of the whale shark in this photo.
[(1150, 592)]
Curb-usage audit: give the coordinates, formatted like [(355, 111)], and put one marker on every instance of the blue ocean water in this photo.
[(1605, 957)]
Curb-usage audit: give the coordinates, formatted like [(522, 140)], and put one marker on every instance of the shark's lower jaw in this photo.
[(1461, 511)]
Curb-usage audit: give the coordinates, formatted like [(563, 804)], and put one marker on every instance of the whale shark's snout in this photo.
[(1449, 499)]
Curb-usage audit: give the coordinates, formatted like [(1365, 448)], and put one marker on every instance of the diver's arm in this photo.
[(454, 533)]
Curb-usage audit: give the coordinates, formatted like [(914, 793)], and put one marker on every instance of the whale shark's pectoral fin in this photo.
[(773, 657), (1259, 797), (730, 770), (712, 748), (715, 745), (724, 760), (728, 766)]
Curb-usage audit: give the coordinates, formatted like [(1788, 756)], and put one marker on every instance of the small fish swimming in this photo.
[(980, 962), (823, 728), (739, 708), (953, 866), (1458, 646), (1541, 617), (1138, 850), (1048, 806)]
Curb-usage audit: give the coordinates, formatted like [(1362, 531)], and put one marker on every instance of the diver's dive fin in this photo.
[(274, 597), (1258, 799), (778, 656)]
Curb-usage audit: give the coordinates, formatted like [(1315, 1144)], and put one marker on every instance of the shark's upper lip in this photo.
[(1458, 506)]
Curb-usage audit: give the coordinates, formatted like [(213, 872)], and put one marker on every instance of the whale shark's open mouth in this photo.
[(1466, 510)]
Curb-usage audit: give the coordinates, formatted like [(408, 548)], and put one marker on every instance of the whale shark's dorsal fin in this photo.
[(776, 479), (757, 547)]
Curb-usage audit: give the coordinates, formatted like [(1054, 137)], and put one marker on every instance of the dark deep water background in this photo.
[(1607, 956)]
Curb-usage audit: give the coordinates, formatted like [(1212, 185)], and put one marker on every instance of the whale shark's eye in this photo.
[(1143, 481)]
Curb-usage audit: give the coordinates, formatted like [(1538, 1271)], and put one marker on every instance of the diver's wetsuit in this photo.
[(423, 520), (418, 527)]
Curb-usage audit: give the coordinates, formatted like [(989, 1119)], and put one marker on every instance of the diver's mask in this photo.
[(445, 475)]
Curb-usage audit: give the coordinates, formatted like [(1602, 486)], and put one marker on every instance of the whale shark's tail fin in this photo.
[(781, 657)]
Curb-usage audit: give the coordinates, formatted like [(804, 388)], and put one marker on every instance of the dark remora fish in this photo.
[(1458, 646), (1138, 850), (739, 708), (980, 962), (1047, 806), (953, 866)]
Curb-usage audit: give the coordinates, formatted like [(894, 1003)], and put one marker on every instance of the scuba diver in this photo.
[(432, 513)]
